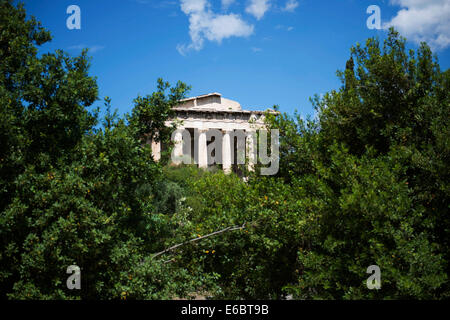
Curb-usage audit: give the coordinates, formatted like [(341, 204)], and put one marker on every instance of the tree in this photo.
[(151, 112), (377, 177), (72, 193)]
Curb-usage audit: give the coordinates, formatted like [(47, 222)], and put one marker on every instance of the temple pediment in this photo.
[(209, 102)]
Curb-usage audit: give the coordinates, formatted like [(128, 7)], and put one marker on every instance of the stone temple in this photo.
[(211, 118)]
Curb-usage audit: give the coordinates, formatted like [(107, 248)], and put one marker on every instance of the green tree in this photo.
[(74, 194), (375, 167), (151, 112)]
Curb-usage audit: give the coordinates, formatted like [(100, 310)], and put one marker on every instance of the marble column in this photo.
[(177, 153), (251, 149), (226, 151), (202, 149), (156, 150)]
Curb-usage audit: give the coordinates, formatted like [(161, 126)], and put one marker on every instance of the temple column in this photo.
[(177, 153), (226, 151), (202, 149), (251, 149), (156, 150)]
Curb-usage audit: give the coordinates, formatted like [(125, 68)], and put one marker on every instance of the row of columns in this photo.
[(227, 152)]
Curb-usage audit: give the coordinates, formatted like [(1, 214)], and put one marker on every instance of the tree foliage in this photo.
[(72, 193), (375, 165)]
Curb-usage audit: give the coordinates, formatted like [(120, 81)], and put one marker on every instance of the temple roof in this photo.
[(214, 103), (209, 102)]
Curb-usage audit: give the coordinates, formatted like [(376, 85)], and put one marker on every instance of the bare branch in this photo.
[(198, 238)]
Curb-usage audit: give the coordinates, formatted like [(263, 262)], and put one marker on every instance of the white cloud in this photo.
[(290, 6), (227, 3), (191, 6), (77, 47), (423, 20), (258, 8), (255, 49), (287, 28), (205, 24), (92, 49)]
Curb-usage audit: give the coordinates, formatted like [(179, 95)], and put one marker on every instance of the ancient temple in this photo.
[(210, 118)]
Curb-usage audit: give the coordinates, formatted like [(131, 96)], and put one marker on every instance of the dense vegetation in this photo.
[(366, 182)]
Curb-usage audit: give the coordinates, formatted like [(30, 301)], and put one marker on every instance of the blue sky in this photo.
[(257, 52)]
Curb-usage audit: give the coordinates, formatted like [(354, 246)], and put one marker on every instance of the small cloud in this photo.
[(182, 49), (254, 49), (290, 6), (205, 24), (258, 8), (77, 47), (287, 28), (227, 3), (92, 49), (423, 20)]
